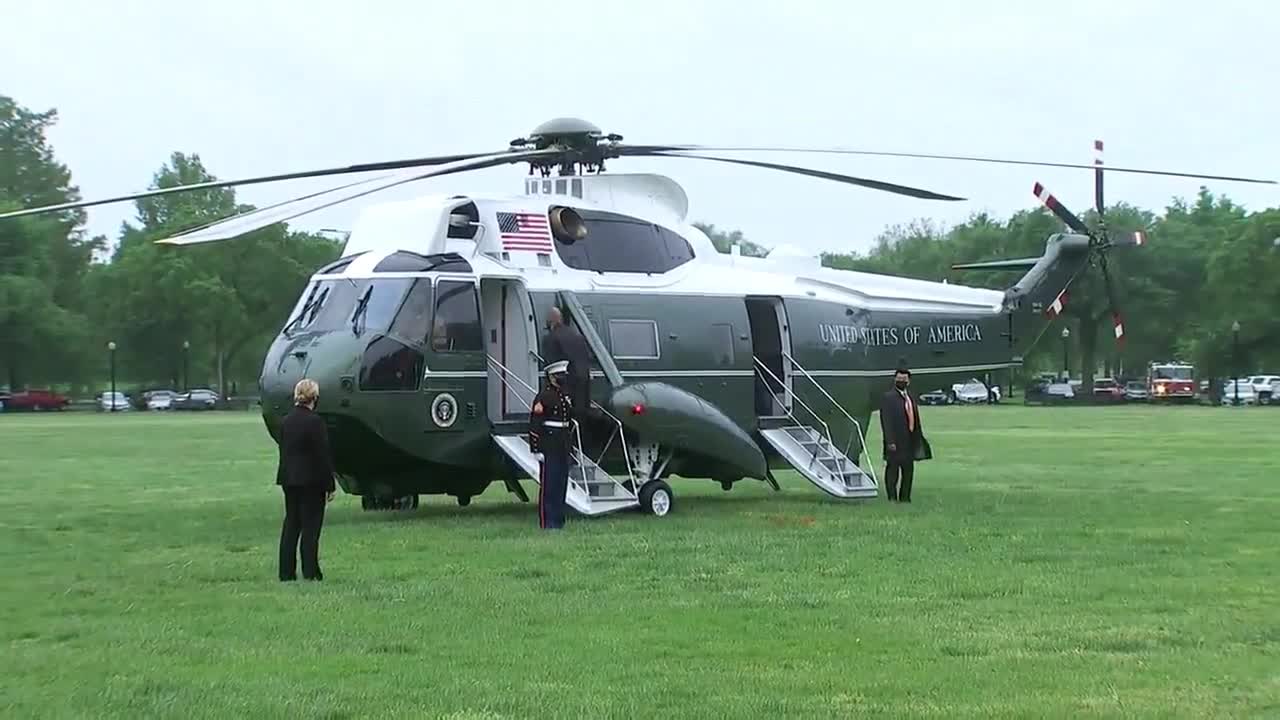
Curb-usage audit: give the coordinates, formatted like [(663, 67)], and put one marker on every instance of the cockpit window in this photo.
[(618, 243), (405, 261), (413, 322), (338, 265), (378, 303)]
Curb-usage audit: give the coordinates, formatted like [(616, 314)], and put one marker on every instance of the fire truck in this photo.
[(1171, 382)]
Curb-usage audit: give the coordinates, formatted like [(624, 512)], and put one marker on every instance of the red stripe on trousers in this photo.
[(542, 484)]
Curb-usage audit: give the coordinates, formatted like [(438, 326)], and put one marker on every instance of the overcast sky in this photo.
[(261, 87)]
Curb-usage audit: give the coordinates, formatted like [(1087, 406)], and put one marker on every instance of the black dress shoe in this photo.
[(291, 578)]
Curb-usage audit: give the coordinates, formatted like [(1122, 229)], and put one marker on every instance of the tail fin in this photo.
[(1042, 293)]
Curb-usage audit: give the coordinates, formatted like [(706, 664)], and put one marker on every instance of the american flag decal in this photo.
[(523, 231), (1059, 303), (1119, 322)]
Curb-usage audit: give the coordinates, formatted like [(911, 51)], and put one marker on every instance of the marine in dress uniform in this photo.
[(551, 424), (904, 441)]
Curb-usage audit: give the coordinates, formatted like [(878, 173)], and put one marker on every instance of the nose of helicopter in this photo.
[(326, 359)]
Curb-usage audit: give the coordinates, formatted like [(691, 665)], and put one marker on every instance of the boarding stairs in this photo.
[(810, 450), (591, 491)]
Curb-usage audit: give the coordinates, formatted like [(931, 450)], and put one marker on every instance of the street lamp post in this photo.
[(1066, 367), (186, 354), (111, 349), (1235, 358)]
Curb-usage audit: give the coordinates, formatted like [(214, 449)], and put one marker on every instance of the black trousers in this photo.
[(552, 488), (898, 475), (303, 518)]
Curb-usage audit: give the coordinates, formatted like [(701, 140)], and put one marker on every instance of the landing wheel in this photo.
[(726, 484), (407, 502), (464, 500), (656, 498)]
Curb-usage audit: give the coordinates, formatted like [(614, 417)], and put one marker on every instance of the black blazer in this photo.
[(893, 429), (305, 457), (566, 343)]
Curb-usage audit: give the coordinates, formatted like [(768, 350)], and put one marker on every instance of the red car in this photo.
[(36, 400)]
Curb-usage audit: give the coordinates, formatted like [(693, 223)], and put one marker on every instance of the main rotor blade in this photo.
[(1097, 178), (247, 222), (823, 174), (1068, 217), (964, 158), (345, 170)]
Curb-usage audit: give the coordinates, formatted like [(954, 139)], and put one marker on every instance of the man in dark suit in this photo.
[(904, 440), (566, 343), (305, 474)]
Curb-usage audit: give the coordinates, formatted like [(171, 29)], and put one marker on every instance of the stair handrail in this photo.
[(826, 428), (857, 426), (618, 430), (577, 434)]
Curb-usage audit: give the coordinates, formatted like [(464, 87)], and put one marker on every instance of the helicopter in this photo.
[(425, 335)]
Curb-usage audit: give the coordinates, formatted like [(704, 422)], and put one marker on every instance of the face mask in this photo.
[(902, 384)]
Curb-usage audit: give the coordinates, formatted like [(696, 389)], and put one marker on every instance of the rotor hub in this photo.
[(582, 145)]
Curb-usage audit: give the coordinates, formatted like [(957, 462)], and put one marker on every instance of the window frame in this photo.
[(435, 312), (657, 341)]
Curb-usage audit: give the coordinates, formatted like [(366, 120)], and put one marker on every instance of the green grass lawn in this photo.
[(1074, 562)]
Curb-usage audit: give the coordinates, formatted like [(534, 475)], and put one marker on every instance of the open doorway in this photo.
[(509, 338), (771, 344)]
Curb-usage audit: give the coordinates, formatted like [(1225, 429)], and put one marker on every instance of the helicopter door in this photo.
[(770, 344), (509, 339)]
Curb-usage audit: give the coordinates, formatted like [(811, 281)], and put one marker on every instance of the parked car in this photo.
[(1263, 387), (1107, 389), (1136, 391), (159, 399), (113, 402), (1042, 391), (199, 399), (36, 400), (973, 392), (1240, 389), (935, 397)]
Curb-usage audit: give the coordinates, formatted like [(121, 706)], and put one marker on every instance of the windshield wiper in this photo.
[(312, 306), (361, 308)]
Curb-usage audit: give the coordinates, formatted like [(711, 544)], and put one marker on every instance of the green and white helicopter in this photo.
[(425, 337)]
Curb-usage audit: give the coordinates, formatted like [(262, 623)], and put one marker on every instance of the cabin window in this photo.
[(618, 243), (390, 365), (633, 339), (576, 185), (722, 344), (561, 187), (413, 322), (457, 322)]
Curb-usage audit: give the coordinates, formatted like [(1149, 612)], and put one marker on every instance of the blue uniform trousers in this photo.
[(552, 489)]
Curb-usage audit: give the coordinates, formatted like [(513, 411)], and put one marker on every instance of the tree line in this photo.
[(209, 311)]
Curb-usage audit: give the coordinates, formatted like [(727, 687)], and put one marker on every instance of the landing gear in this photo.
[(726, 484), (464, 500), (656, 497), (373, 502)]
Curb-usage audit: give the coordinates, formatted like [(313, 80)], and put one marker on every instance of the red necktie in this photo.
[(911, 418)]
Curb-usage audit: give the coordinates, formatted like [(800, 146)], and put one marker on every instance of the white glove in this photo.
[(539, 456)]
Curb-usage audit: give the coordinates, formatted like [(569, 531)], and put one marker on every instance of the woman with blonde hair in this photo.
[(305, 474)]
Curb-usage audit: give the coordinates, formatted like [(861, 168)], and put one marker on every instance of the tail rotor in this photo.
[(1100, 240)]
